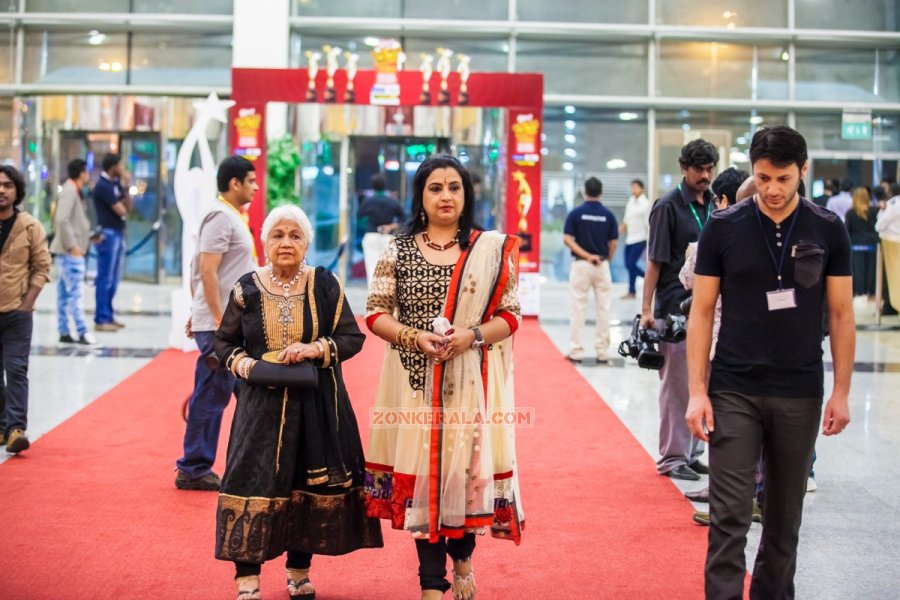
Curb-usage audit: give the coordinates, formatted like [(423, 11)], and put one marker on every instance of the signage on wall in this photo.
[(856, 125), (526, 151), (248, 126)]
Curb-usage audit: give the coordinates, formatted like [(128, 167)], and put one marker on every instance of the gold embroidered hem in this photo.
[(254, 529)]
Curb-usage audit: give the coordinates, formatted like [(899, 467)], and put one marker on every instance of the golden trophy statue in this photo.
[(426, 66), (444, 67), (331, 65), (463, 69), (312, 68), (352, 59)]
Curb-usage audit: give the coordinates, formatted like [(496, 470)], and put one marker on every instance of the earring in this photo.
[(422, 217)]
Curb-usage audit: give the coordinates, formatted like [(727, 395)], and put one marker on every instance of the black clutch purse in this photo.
[(300, 375)]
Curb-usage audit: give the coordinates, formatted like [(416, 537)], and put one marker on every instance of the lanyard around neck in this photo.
[(777, 263), (244, 219), (700, 223)]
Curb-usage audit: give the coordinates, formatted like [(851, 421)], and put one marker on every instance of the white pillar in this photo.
[(261, 39)]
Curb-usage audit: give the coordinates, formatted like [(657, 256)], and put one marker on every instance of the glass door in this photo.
[(141, 158)]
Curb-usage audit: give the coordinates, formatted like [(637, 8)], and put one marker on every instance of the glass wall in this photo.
[(7, 56), (861, 15), (847, 74), (187, 59), (208, 7), (724, 13), (823, 132), (579, 143), (55, 57), (486, 54), (8, 151), (450, 9), (716, 70), (582, 11), (586, 67)]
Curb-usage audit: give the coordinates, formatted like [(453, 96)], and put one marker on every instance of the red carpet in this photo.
[(91, 509)]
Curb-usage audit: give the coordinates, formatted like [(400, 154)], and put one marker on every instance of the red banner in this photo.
[(523, 186), (521, 93), (247, 123)]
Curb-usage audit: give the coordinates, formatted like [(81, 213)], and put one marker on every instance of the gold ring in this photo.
[(437, 360)]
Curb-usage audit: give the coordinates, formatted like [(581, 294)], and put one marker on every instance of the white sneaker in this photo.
[(811, 485), (87, 339)]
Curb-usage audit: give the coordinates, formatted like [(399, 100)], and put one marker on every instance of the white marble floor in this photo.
[(850, 540)]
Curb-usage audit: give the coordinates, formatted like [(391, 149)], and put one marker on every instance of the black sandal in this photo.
[(294, 585)]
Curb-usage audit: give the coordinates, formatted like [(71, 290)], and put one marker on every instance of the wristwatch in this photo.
[(479, 339)]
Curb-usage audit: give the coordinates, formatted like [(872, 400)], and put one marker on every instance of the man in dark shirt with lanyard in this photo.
[(113, 202), (676, 220), (775, 259)]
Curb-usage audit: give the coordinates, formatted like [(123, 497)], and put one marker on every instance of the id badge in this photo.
[(782, 299)]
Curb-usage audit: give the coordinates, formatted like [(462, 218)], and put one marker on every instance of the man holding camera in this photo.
[(590, 233), (675, 221), (775, 260)]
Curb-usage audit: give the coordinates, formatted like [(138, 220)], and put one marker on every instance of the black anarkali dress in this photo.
[(294, 471)]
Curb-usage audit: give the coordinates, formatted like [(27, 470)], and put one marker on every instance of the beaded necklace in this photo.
[(285, 286), (435, 245)]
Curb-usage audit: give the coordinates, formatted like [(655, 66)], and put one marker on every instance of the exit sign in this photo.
[(856, 126)]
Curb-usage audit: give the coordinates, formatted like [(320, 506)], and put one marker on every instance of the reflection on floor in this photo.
[(850, 540)]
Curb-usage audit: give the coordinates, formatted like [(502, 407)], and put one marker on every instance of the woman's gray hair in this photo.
[(288, 212)]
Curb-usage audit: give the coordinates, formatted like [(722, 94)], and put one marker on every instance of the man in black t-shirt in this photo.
[(590, 233), (775, 259), (676, 220)]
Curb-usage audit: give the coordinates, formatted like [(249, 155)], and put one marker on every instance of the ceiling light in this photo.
[(738, 157), (731, 26), (570, 124), (371, 41), (95, 38), (756, 120), (543, 137), (570, 152), (628, 116), (570, 139), (545, 151), (569, 109), (104, 66), (616, 163), (785, 56), (567, 166), (729, 15), (116, 67)]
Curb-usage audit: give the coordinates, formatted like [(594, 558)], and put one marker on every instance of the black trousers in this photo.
[(433, 559), (295, 560), (786, 429)]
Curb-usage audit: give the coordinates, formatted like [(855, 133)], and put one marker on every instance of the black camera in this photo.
[(676, 329), (642, 345)]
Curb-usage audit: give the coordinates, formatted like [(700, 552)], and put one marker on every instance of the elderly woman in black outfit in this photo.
[(294, 472)]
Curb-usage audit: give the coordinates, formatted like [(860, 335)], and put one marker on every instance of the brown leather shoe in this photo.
[(17, 442), (105, 327)]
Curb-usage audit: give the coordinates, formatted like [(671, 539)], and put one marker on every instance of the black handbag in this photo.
[(299, 375)]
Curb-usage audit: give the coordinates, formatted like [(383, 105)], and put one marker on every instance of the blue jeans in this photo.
[(68, 293), (212, 391), (110, 259), (15, 345), (633, 253)]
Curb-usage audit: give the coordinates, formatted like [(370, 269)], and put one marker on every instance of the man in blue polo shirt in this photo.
[(590, 233), (113, 202)]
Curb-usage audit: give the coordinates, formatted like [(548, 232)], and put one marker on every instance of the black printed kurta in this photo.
[(306, 494)]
